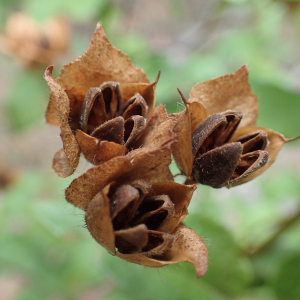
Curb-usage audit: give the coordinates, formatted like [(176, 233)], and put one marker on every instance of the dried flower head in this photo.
[(101, 102), (134, 209), (226, 148), (34, 44)]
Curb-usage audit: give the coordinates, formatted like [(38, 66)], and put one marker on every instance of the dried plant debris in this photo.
[(102, 104), (226, 148), (105, 108), (8, 176), (34, 45)]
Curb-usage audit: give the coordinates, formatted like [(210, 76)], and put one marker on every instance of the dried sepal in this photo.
[(183, 124), (70, 144), (97, 151), (101, 63), (98, 222), (82, 189), (61, 164), (230, 91), (197, 114), (190, 247), (182, 128)]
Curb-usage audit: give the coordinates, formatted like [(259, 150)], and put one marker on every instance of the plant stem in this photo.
[(282, 227)]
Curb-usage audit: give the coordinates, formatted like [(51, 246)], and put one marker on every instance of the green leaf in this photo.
[(79, 11), (278, 108), (27, 100), (287, 282), (229, 270), (171, 282)]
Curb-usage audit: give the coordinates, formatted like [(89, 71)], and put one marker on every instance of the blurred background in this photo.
[(252, 231)]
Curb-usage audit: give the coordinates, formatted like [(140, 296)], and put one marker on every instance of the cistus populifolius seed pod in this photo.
[(101, 102), (225, 147)]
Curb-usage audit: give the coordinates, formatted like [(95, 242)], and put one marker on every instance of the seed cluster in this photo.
[(105, 108)]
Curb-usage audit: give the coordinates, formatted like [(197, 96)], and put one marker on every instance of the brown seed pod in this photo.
[(102, 104), (226, 149)]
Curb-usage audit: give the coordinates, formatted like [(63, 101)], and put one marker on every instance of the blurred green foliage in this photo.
[(254, 253)]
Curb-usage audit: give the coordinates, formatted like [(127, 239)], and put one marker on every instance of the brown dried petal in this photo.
[(230, 91), (180, 195), (276, 141), (96, 151), (76, 97), (133, 129), (216, 167), (101, 62), (98, 222), (112, 131), (249, 163), (187, 246), (70, 144), (136, 105)]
